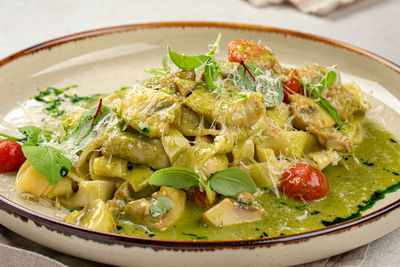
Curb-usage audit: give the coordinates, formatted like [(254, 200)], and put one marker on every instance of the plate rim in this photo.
[(53, 224)]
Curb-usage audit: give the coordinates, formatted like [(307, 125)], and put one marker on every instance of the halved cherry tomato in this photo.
[(243, 50), (11, 156), (304, 182), (291, 86)]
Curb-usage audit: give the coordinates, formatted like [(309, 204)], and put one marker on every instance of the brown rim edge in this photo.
[(129, 241), (114, 29)]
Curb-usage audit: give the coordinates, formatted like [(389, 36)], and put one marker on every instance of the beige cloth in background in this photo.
[(318, 7), (16, 250)]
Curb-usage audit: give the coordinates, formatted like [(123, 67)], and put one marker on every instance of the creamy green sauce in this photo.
[(374, 168)]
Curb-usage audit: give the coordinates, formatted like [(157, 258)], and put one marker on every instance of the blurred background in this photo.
[(369, 24)]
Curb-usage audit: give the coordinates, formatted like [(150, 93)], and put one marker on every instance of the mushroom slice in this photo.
[(229, 212), (307, 113)]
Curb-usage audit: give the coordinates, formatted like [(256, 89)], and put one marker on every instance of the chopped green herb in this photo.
[(53, 98), (160, 206)]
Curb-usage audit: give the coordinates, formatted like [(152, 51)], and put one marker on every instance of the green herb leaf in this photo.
[(256, 79), (160, 206), (187, 62), (84, 130), (211, 74), (53, 98), (215, 46), (35, 135), (176, 177), (48, 161), (328, 79), (160, 71), (231, 181), (9, 137)]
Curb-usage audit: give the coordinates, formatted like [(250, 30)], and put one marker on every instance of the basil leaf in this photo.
[(35, 135), (256, 79), (326, 81), (231, 181), (187, 62), (329, 78), (211, 74), (331, 110), (48, 161), (84, 130), (176, 177), (160, 206)]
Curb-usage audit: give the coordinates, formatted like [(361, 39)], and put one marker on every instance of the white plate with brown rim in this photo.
[(105, 59)]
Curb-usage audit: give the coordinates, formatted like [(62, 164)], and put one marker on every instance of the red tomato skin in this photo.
[(11, 156), (291, 86), (304, 182), (243, 50)]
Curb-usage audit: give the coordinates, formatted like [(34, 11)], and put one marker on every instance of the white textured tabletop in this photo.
[(370, 24)]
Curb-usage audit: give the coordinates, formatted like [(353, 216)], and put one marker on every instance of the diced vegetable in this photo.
[(288, 143), (139, 210), (95, 215), (229, 212), (29, 180), (324, 158)]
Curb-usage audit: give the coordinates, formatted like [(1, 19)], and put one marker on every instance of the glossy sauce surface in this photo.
[(374, 168)]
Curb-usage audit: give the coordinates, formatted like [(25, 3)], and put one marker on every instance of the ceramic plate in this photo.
[(106, 59)]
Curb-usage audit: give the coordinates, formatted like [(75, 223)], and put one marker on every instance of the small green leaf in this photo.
[(231, 181), (332, 111), (9, 137), (84, 130), (211, 74), (160, 206), (256, 79), (176, 177), (187, 62), (215, 46), (329, 79), (35, 135), (160, 71), (48, 161)]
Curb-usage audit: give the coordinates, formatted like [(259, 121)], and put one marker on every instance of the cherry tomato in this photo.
[(243, 50), (11, 156), (292, 86), (304, 182)]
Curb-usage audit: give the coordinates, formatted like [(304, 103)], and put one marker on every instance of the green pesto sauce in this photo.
[(373, 172)]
